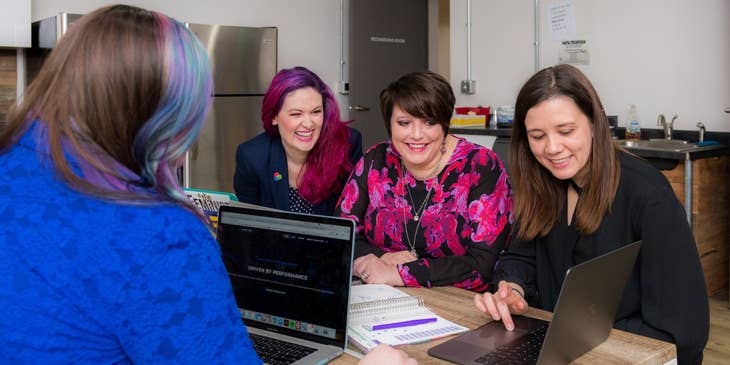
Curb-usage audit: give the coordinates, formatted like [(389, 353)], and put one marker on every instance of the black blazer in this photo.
[(258, 159)]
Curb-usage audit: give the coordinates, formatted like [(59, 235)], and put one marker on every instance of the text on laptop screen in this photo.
[(288, 274)]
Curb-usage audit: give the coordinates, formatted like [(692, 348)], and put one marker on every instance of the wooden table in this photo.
[(457, 305)]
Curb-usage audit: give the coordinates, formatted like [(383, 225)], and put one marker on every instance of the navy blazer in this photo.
[(258, 159)]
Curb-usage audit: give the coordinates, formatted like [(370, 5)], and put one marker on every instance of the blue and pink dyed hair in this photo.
[(118, 102), (328, 163), (161, 143)]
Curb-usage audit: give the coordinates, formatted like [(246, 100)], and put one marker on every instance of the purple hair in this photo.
[(127, 122), (162, 140), (328, 163)]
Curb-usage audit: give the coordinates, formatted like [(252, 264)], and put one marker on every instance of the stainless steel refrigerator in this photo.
[(244, 61), (45, 34)]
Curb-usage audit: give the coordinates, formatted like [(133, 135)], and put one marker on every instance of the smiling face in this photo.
[(560, 137), (417, 140), (300, 120)]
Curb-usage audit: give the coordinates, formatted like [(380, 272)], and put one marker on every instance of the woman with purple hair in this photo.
[(104, 260), (301, 161)]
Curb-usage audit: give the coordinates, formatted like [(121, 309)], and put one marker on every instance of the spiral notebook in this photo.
[(383, 314)]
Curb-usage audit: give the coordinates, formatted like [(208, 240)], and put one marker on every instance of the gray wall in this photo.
[(309, 30), (665, 56)]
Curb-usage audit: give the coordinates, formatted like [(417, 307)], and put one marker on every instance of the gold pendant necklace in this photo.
[(412, 244), (417, 213)]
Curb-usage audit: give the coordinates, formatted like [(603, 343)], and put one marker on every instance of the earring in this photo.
[(443, 145)]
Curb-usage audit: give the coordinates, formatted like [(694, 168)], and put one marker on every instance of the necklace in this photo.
[(417, 212)]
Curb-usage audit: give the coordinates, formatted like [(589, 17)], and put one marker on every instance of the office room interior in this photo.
[(668, 57)]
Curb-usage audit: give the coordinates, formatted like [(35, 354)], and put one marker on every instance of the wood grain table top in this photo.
[(456, 305)]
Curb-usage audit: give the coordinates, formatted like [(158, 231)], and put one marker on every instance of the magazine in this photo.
[(209, 201)]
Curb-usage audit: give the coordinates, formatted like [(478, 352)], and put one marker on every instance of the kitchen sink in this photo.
[(674, 145)]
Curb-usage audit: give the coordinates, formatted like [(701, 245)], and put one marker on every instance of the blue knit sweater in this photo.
[(86, 281)]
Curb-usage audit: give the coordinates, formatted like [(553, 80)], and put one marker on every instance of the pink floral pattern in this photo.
[(464, 226), (351, 193)]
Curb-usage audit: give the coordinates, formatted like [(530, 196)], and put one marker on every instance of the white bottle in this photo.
[(633, 127)]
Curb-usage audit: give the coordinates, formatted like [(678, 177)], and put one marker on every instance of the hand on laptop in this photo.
[(372, 270), (384, 354), (507, 300), (400, 257)]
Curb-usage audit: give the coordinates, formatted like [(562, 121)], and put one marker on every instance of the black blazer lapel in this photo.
[(277, 165)]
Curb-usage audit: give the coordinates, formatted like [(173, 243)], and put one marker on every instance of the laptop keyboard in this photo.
[(524, 350), (277, 352)]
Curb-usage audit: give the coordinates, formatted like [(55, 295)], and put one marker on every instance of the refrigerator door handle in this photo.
[(194, 151), (727, 110), (359, 108), (186, 171)]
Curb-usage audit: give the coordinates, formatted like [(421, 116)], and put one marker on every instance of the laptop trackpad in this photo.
[(484, 339), (491, 336)]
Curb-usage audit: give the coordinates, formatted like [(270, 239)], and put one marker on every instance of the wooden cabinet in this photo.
[(8, 81), (710, 215)]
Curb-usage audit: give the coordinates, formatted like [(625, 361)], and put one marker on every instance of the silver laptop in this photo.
[(583, 318), (291, 275)]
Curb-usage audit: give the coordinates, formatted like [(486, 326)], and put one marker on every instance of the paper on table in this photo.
[(401, 324), (371, 292), (392, 305)]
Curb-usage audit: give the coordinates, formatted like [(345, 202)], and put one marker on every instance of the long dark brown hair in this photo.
[(539, 196)]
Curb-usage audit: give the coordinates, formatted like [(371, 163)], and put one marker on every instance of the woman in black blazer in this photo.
[(306, 153)]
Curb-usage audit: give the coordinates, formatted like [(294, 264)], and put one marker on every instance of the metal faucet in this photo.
[(662, 121), (702, 131)]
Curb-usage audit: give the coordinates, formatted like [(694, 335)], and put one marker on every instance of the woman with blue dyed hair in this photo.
[(104, 260)]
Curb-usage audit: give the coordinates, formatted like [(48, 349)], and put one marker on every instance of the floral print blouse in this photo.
[(462, 227)]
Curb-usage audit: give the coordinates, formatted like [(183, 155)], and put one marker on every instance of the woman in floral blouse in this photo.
[(431, 208)]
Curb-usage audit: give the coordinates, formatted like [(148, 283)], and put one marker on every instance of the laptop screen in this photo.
[(290, 272)]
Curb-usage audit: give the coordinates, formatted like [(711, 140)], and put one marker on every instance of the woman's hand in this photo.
[(503, 303), (384, 354), (400, 257), (372, 270)]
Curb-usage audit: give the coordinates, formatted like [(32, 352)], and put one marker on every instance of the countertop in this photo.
[(699, 153), (480, 130)]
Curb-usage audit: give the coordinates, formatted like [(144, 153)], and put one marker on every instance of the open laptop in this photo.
[(583, 318), (290, 274)]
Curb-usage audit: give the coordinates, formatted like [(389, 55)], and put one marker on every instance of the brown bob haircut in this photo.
[(540, 197), (422, 94)]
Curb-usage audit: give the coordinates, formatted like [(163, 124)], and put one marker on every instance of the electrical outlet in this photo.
[(343, 87), (468, 86)]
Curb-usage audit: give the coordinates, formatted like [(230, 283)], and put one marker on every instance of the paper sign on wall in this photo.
[(574, 51), (562, 20)]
